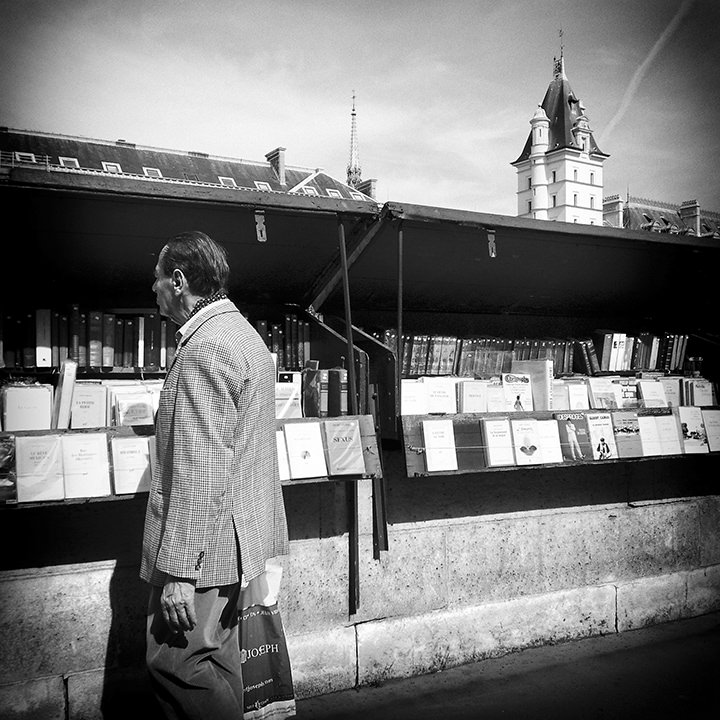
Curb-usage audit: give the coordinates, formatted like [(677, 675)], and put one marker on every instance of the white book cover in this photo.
[(495, 396), (134, 408), (649, 435), (39, 469), (306, 453), (561, 395), (89, 405), (413, 397), (130, 464), (692, 429), (288, 400), (441, 395), (702, 392), (472, 396), (578, 398), (526, 441), (86, 465), (497, 439), (27, 407), (549, 437), (283, 464), (711, 420), (669, 432), (62, 402), (671, 385), (517, 388), (540, 371), (439, 437), (651, 393), (602, 435), (601, 393), (343, 446)]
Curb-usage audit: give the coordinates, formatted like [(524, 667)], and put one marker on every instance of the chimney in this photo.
[(276, 158), (690, 215), (367, 187), (613, 211)]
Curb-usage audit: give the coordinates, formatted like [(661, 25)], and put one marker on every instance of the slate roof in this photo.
[(173, 165), (642, 214), (564, 110)]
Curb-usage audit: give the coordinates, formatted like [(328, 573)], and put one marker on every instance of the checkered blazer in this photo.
[(215, 486)]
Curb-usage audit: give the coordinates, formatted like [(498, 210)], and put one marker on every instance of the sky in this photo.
[(444, 90)]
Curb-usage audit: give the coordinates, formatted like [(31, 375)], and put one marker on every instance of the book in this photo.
[(89, 405), (441, 394), (288, 400), (711, 420), (692, 429), (282, 455), (413, 397), (27, 406), (541, 380), (578, 398), (497, 441), (517, 389), (561, 395), (439, 439), (131, 405), (649, 434), (310, 390), (602, 435), (86, 467), (130, 464), (526, 442), (574, 436), (699, 391), (108, 339), (496, 401), (337, 392), (118, 341), (626, 393), (472, 396), (601, 392), (8, 476), (62, 402), (95, 332), (549, 438), (651, 393), (151, 336), (627, 433), (343, 446), (38, 460), (671, 386), (306, 453), (43, 338), (668, 424), (602, 340)]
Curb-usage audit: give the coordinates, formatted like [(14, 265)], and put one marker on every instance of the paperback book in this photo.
[(692, 427), (130, 464), (602, 435), (39, 468), (86, 467), (711, 420), (526, 441), (517, 389), (439, 439), (549, 440), (306, 453), (497, 442), (574, 436), (343, 446), (626, 429)]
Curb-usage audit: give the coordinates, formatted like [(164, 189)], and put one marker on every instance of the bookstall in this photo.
[(365, 280)]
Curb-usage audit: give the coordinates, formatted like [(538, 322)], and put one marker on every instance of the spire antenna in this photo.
[(353, 168), (561, 42)]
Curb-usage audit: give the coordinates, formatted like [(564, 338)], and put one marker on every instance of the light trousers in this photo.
[(197, 675)]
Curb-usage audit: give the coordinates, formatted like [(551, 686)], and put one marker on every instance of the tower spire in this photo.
[(353, 168)]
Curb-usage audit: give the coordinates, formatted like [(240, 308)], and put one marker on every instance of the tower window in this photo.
[(574, 174), (574, 198), (529, 206), (554, 200), (592, 178), (592, 201), (554, 175), (529, 183)]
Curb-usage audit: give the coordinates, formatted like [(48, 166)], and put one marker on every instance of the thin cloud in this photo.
[(645, 65)]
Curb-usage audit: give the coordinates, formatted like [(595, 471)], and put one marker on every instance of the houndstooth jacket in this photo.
[(215, 486)]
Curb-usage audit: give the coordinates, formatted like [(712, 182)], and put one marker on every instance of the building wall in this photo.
[(449, 590)]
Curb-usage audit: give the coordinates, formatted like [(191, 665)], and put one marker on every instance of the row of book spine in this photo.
[(288, 337), (128, 338), (429, 354)]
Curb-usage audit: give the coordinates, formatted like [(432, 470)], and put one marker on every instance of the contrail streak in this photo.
[(643, 68)]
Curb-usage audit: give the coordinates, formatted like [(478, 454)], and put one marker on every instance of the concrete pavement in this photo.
[(668, 671)]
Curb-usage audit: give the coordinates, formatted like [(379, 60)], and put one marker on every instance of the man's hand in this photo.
[(177, 602)]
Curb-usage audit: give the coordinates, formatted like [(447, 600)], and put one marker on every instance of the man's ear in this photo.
[(178, 280)]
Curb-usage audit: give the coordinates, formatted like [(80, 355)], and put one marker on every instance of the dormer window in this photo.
[(263, 185), (152, 172), (334, 193), (111, 167), (227, 181), (192, 177), (311, 191), (356, 195), (69, 162), (25, 157)]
